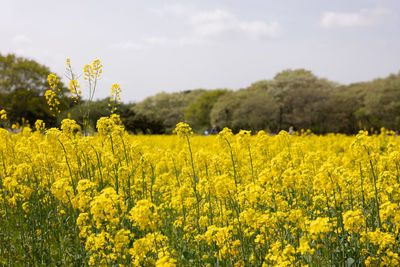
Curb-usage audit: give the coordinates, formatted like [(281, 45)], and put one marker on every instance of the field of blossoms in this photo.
[(228, 200)]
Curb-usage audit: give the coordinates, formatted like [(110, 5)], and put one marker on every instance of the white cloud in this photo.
[(221, 24), (206, 27), (174, 9), (262, 29), (364, 17), (189, 40), (21, 39), (217, 15), (157, 40), (129, 46)]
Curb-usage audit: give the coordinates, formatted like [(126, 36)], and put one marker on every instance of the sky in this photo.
[(152, 46)]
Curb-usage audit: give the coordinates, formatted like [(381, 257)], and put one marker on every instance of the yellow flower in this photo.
[(70, 127), (62, 190), (107, 125), (53, 81), (319, 225), (354, 221), (379, 238), (121, 239), (144, 215), (3, 114), (73, 88), (304, 247), (52, 100), (40, 125), (106, 208), (164, 260), (183, 129)]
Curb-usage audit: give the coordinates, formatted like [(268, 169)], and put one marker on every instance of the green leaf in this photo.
[(349, 261)]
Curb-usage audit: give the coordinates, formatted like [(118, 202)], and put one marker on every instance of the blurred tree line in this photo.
[(295, 98)]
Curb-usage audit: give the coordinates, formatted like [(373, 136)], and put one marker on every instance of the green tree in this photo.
[(197, 114), (21, 73), (22, 86), (256, 111), (221, 114), (252, 108), (302, 97), (139, 123), (381, 105), (98, 109), (167, 107), (341, 109)]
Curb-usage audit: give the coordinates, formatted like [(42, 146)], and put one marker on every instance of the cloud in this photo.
[(157, 40), (206, 27), (128, 45), (21, 39), (181, 41), (174, 9), (364, 17), (221, 24)]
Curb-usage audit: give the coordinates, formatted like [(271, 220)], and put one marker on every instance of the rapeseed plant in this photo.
[(185, 200)]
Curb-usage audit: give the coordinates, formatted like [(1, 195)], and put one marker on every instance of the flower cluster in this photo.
[(52, 100), (115, 98), (3, 114), (74, 89), (183, 129), (40, 125), (53, 81), (51, 95), (93, 71)]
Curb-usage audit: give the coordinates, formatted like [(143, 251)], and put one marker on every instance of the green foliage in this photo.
[(257, 110), (251, 108), (98, 109), (168, 108), (21, 73), (341, 109), (49, 238), (22, 86), (222, 113), (301, 96), (28, 105), (197, 114), (381, 107), (139, 123)]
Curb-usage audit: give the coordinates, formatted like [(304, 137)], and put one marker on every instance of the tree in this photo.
[(252, 108), (381, 105), (165, 107), (21, 73), (197, 114), (221, 114), (257, 110), (98, 109), (339, 111), (138, 123), (22, 86), (301, 96)]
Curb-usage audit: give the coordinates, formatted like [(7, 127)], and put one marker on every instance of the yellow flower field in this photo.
[(227, 200)]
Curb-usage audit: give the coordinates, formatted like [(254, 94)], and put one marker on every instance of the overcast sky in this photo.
[(153, 46)]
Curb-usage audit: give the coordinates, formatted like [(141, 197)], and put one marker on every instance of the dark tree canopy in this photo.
[(197, 114), (21, 73), (168, 108), (251, 108), (22, 86), (301, 96)]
